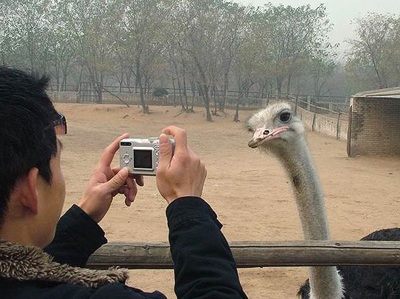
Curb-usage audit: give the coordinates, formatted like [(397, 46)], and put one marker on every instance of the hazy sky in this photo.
[(340, 13)]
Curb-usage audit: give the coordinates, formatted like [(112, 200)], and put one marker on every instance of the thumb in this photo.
[(165, 154), (117, 180)]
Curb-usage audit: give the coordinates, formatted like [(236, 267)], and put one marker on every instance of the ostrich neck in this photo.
[(325, 282), (307, 190)]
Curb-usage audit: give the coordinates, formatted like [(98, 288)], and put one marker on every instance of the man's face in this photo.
[(52, 200)]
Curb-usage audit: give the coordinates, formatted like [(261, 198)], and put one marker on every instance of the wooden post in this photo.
[(314, 120), (296, 104), (338, 125)]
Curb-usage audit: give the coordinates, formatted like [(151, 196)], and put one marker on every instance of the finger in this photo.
[(115, 169), (132, 189), (109, 152), (139, 179), (179, 136), (121, 190), (165, 153), (117, 181), (128, 199), (127, 202)]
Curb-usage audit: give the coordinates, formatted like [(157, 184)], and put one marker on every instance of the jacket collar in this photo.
[(25, 263)]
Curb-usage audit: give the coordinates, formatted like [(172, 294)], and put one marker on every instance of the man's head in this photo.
[(29, 150)]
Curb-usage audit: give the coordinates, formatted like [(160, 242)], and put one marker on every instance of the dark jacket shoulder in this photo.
[(12, 289)]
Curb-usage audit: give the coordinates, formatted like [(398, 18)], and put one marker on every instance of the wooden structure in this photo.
[(256, 254), (374, 123)]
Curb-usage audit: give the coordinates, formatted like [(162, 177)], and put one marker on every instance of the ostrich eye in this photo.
[(285, 117)]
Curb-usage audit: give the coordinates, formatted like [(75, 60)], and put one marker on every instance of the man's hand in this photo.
[(106, 182), (181, 174)]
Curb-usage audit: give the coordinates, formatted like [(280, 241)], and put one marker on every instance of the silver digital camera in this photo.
[(140, 155)]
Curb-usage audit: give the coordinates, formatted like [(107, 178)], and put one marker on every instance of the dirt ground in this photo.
[(248, 190)]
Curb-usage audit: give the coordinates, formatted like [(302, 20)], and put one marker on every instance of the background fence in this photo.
[(327, 115), (334, 123)]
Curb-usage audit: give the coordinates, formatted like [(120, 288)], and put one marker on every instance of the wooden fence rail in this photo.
[(257, 254)]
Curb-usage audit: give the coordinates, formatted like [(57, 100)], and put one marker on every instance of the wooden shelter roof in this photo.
[(393, 92)]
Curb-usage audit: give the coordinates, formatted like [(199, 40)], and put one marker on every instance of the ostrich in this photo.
[(278, 131)]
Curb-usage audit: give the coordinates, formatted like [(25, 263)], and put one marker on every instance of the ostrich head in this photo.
[(275, 128)]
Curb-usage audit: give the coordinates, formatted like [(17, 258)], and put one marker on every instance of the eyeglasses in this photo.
[(60, 125)]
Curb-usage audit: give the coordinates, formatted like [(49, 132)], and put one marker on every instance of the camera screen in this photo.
[(143, 159)]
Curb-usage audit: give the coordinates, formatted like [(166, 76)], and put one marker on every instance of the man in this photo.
[(32, 193)]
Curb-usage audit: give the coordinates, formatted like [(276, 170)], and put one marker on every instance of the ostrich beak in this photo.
[(263, 134)]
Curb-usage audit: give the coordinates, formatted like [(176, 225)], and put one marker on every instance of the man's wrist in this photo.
[(186, 208)]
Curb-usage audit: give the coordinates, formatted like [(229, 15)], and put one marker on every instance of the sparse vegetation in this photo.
[(202, 48)]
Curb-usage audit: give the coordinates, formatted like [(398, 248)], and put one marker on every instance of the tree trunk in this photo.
[(279, 82), (179, 86), (145, 108), (204, 89), (206, 97), (236, 117)]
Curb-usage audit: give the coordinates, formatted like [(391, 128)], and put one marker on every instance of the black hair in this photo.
[(27, 136)]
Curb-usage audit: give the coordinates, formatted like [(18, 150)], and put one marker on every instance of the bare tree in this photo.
[(204, 46), (24, 27), (92, 25), (290, 35), (205, 37), (142, 40), (374, 56)]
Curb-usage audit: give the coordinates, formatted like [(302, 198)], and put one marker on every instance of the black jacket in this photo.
[(203, 263)]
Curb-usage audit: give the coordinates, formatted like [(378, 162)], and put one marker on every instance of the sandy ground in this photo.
[(248, 190)]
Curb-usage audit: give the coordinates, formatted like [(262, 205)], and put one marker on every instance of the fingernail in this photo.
[(124, 172), (163, 138)]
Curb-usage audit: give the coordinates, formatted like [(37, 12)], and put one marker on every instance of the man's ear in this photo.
[(29, 198)]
